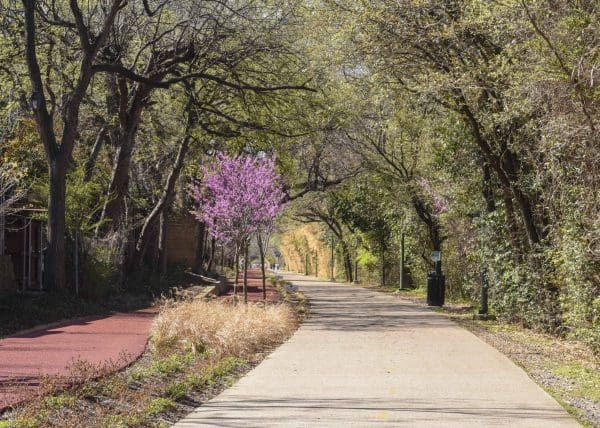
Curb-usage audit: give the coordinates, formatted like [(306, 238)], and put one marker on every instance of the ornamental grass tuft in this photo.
[(219, 328)]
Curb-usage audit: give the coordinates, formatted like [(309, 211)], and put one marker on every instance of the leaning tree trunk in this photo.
[(93, 157), (114, 207), (162, 205), (431, 221), (506, 167), (534, 235), (222, 258)]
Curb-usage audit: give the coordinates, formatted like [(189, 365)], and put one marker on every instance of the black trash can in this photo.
[(442, 289), (431, 288), (436, 289)]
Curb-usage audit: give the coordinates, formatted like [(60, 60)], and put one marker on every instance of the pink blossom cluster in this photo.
[(238, 196), (438, 202)]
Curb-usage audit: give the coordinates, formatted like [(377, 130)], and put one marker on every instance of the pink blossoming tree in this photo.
[(238, 198), (439, 204)]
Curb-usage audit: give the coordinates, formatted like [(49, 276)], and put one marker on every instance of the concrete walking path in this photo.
[(365, 358)]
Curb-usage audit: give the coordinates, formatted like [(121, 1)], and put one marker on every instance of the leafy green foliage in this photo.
[(488, 110)]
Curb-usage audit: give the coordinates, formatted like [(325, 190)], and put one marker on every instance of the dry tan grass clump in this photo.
[(221, 328)]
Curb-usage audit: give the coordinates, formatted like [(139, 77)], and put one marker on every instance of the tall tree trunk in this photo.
[(91, 161), (163, 204), (382, 282), (207, 251), (237, 271), (222, 258), (533, 234), (59, 155), (431, 222), (246, 273), (506, 168), (514, 235), (211, 256), (114, 207), (487, 188), (347, 261), (261, 251), (306, 263), (162, 243), (199, 251), (55, 265)]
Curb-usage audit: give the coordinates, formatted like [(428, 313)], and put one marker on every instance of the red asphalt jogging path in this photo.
[(117, 340), (114, 340), (254, 289)]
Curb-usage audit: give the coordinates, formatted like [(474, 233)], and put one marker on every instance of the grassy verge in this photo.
[(196, 350)]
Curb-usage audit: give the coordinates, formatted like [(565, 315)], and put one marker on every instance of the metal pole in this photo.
[(402, 261)]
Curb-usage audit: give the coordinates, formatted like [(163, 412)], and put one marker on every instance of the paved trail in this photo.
[(119, 338), (365, 359), (254, 288)]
